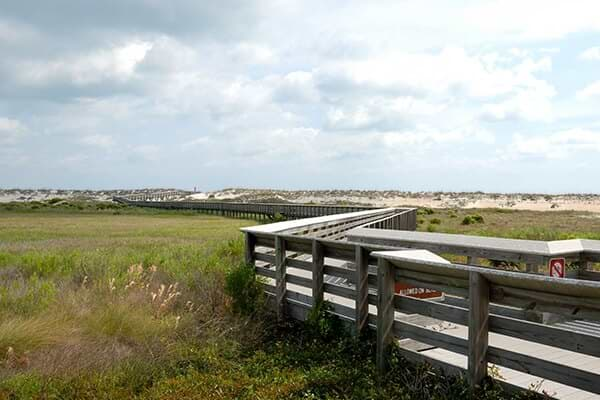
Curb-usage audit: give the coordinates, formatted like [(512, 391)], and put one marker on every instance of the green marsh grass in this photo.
[(104, 301)]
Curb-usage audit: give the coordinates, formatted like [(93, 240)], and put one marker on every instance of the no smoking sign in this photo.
[(557, 267)]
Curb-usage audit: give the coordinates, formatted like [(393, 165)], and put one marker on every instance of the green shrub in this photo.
[(431, 228), (508, 265), (435, 221), (322, 324), (472, 219), (425, 211), (244, 289), (279, 217)]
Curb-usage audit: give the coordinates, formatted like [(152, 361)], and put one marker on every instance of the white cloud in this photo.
[(381, 113), (15, 33), (148, 152), (530, 105), (10, 130), (253, 53), (314, 84), (449, 70), (431, 136), (591, 54), (271, 144), (198, 142), (559, 145), (103, 141), (294, 87), (116, 63), (534, 19), (592, 90)]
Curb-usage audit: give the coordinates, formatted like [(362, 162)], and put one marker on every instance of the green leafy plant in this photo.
[(473, 219), (425, 211), (322, 324), (244, 289)]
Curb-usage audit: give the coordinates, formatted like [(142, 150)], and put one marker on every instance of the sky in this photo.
[(497, 96)]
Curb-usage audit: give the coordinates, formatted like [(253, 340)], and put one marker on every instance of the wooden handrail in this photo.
[(489, 300), (484, 285)]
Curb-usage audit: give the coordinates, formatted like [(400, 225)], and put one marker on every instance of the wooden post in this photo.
[(318, 261), (280, 277), (361, 306), (479, 299), (249, 248), (385, 311)]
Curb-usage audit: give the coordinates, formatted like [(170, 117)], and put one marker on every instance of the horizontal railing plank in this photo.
[(432, 309), (545, 369), (300, 264), (339, 272), (530, 331), (454, 344), (268, 258), (497, 309), (340, 290), (546, 334), (298, 280), (269, 273)]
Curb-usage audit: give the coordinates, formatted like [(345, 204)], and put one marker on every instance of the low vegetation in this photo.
[(515, 224), (103, 302), (472, 219)]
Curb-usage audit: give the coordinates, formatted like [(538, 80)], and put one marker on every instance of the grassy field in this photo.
[(102, 301), (534, 225)]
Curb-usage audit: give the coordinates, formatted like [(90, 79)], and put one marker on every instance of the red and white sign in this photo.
[(557, 267), (419, 293)]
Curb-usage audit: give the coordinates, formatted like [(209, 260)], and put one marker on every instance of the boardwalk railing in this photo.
[(532, 255), (482, 286), (160, 195), (247, 210), (356, 275)]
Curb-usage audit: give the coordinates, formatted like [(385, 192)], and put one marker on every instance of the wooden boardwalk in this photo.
[(516, 378), (247, 210)]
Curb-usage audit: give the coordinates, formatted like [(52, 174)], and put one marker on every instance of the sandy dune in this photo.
[(518, 201)]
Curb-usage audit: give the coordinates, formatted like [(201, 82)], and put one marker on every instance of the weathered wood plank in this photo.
[(404, 329), (340, 291), (280, 276), (531, 331), (268, 258), (361, 305), (385, 311), (269, 273), (545, 334), (339, 272), (299, 280), (250, 244), (317, 271), (432, 309), (545, 369), (495, 309), (479, 299), (299, 264)]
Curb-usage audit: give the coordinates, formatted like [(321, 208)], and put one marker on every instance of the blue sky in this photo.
[(408, 95)]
